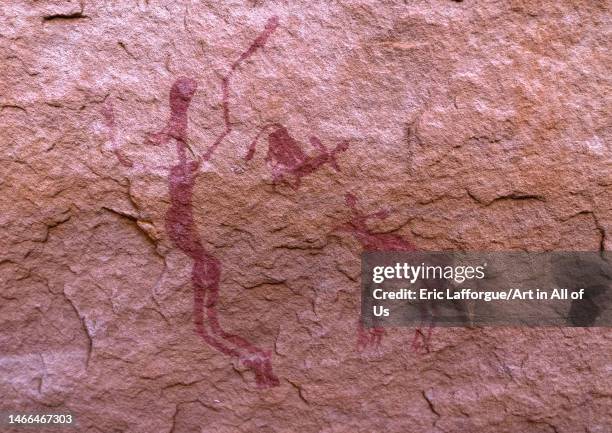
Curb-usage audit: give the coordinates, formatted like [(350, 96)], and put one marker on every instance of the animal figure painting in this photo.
[(371, 241), (288, 161)]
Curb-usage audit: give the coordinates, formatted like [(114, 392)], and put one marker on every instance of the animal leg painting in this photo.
[(369, 337)]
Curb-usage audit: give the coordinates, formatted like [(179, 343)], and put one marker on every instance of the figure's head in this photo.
[(183, 88), (181, 93)]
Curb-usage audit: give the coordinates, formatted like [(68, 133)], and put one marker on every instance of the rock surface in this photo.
[(477, 125)]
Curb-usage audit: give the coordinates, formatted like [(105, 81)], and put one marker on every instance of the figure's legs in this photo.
[(363, 339), (247, 353), (368, 337), (377, 335), (236, 340), (206, 294), (424, 337), (200, 324)]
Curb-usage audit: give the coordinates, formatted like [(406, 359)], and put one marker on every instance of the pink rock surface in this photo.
[(182, 193)]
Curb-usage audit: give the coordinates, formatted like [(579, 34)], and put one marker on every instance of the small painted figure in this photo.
[(288, 161), (370, 241)]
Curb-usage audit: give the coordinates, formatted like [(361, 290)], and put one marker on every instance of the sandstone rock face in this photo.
[(184, 196)]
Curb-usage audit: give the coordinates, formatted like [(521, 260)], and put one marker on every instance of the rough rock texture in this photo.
[(131, 247)]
